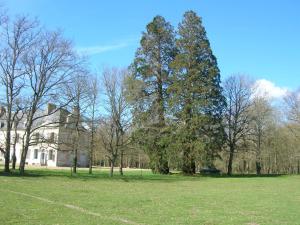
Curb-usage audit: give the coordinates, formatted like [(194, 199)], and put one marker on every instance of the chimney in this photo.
[(50, 108)]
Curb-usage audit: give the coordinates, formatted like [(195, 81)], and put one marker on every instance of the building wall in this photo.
[(61, 147), (43, 150), (68, 141)]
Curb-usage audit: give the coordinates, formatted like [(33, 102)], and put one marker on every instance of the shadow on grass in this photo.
[(242, 175), (83, 175), (130, 176)]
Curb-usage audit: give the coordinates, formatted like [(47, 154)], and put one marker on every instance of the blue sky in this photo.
[(260, 38)]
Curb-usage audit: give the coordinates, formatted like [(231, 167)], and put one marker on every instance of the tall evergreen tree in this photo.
[(147, 90), (196, 96)]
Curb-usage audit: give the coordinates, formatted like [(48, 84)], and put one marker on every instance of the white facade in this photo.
[(51, 145)]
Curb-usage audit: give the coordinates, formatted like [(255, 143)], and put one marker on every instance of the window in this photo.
[(52, 137), (51, 155), (35, 155), (2, 124)]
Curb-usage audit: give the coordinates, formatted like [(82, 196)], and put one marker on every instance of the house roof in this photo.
[(52, 119)]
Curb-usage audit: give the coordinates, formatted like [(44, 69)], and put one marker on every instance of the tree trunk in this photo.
[(121, 163), (14, 160), (91, 153), (25, 148), (91, 165), (91, 156), (193, 166), (258, 167), (7, 141), (269, 165), (188, 166), (75, 161), (229, 168), (111, 172), (185, 165), (244, 166), (22, 167), (258, 157), (164, 167), (22, 162), (23, 159)]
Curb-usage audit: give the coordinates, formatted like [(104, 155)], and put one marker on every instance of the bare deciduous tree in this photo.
[(293, 102), (93, 100), (78, 92), (237, 90), (18, 115), (48, 66), (116, 122), (18, 37), (261, 120)]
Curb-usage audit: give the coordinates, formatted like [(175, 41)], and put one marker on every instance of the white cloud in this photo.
[(94, 50), (266, 88), (98, 49)]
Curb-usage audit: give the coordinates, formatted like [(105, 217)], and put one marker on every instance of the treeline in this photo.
[(167, 111), (184, 119)]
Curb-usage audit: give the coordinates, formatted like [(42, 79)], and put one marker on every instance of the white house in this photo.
[(53, 141)]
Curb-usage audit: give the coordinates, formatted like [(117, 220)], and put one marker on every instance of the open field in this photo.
[(47, 196)]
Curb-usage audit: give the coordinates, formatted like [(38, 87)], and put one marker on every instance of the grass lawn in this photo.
[(47, 196)]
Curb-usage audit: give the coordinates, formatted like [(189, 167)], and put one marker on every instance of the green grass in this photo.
[(147, 199)]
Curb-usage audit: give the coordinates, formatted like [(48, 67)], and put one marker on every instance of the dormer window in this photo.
[(51, 137), (36, 137)]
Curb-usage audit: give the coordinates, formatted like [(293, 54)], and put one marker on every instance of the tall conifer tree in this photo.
[(147, 90), (196, 96)]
